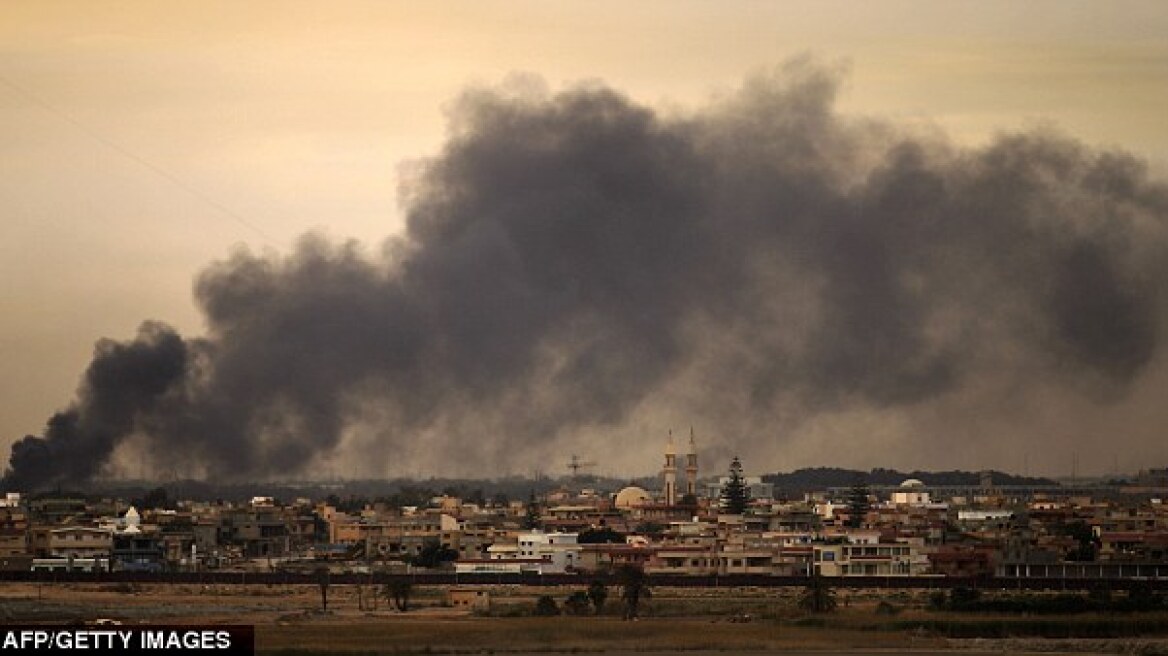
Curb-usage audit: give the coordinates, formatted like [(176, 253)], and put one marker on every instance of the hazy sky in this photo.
[(142, 140)]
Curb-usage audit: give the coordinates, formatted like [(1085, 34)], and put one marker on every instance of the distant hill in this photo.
[(819, 478)]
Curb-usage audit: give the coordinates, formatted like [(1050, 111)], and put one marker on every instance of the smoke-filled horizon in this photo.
[(581, 273)]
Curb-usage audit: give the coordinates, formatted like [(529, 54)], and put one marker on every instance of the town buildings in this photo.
[(909, 530)]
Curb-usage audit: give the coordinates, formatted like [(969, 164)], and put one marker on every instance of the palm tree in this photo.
[(322, 580), (634, 585), (398, 591), (817, 597), (597, 593)]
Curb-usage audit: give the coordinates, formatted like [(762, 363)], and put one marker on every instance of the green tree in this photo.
[(650, 529), (597, 594), (398, 592), (634, 586), (962, 598), (817, 596), (1141, 597), (322, 580), (602, 535), (735, 494), (1100, 595), (858, 504), (577, 603), (545, 606), (531, 520), (434, 554), (1087, 542)]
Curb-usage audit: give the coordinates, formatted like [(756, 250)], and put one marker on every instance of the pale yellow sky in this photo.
[(140, 140)]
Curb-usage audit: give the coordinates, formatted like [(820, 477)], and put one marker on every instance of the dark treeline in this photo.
[(419, 491), (818, 478), (1098, 599), (350, 493)]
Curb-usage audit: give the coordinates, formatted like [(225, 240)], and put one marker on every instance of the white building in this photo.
[(912, 492), (503, 566), (560, 550), (986, 515)]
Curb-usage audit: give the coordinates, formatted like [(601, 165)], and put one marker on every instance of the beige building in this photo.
[(13, 532), (79, 542), (470, 598), (898, 559)]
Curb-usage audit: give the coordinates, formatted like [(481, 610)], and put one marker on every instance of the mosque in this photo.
[(634, 496)]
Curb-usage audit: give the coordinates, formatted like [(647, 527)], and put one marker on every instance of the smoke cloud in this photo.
[(580, 272)]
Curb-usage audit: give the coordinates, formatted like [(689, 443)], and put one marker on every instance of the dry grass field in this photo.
[(289, 620), (564, 634)]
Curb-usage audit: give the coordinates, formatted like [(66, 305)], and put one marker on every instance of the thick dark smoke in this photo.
[(580, 267), (123, 383)]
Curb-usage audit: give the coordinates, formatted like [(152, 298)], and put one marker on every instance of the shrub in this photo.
[(578, 603), (545, 606), (597, 594), (963, 597), (817, 597)]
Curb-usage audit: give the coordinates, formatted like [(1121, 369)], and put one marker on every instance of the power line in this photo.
[(128, 154)]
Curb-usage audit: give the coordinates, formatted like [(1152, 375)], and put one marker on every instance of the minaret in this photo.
[(670, 472), (691, 466)]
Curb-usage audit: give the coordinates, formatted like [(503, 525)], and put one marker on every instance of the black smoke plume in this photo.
[(581, 269)]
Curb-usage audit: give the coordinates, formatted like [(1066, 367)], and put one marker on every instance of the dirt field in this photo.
[(289, 619)]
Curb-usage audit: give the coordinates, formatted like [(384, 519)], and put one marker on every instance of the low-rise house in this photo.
[(693, 560), (607, 557), (469, 598), (79, 542), (740, 558), (963, 560), (505, 566), (13, 532), (869, 560), (1091, 570), (138, 552), (259, 531), (561, 550), (1131, 546)]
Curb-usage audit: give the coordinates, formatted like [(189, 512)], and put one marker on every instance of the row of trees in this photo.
[(632, 581), (396, 592), (634, 587)]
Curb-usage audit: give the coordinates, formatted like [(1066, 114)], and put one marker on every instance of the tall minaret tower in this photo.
[(670, 472), (691, 466)]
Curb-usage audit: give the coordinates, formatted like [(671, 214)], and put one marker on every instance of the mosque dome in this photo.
[(913, 482), (632, 496)]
